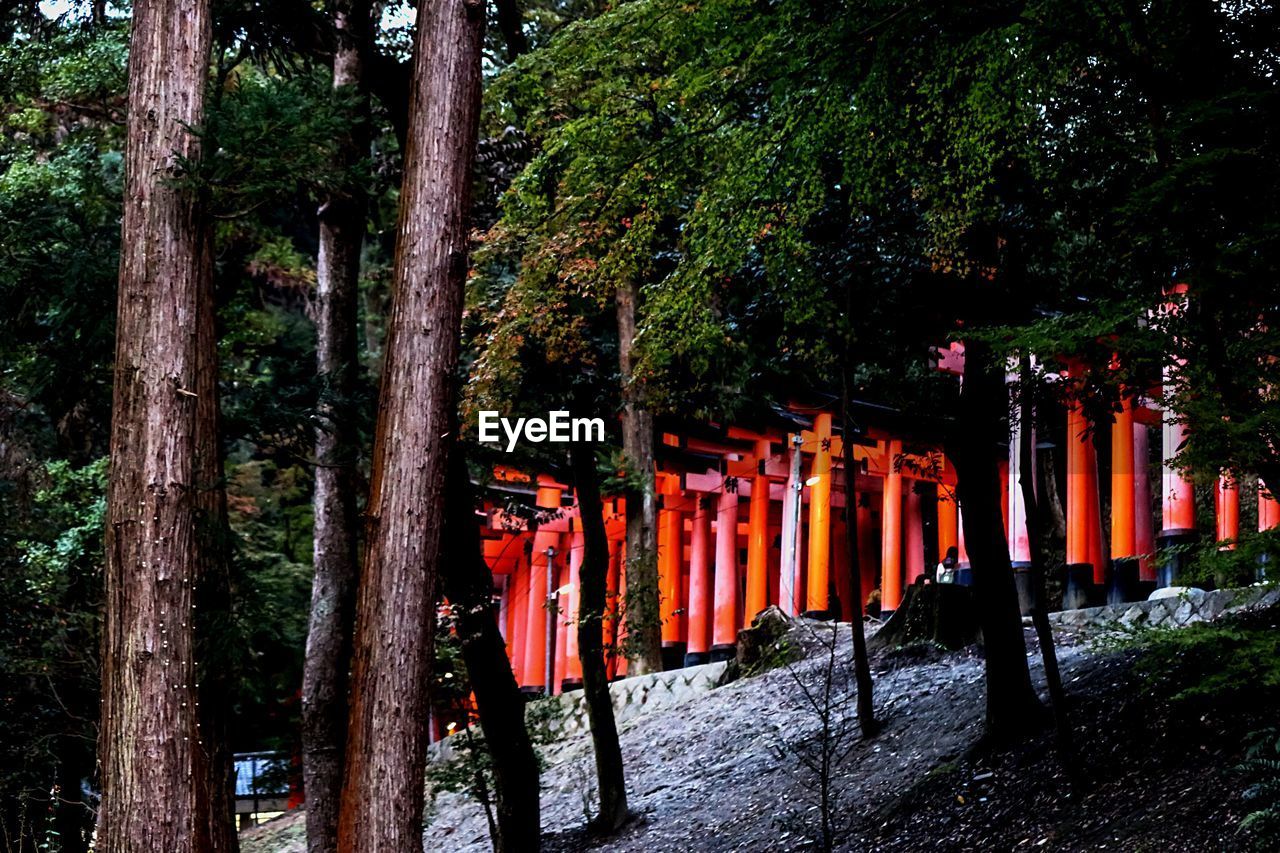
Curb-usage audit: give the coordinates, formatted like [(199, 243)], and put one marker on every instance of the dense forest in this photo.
[(264, 265)]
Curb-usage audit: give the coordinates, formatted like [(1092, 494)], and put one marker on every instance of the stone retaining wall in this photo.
[(640, 695), (1172, 607), (631, 698)]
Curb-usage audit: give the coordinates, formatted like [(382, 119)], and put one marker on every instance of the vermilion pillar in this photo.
[(1093, 517), (1268, 509), (724, 636), (545, 542), (1077, 546), (560, 596), (1123, 535), (914, 538), (1081, 485), (758, 538), (1124, 538), (1178, 503), (1003, 465), (1227, 511), (948, 522), (620, 661), (1019, 544), (790, 594), (611, 610), (819, 581), (868, 551), (840, 563), (670, 574), (518, 609), (698, 650), (891, 533), (1019, 540), (1144, 535), (573, 662)]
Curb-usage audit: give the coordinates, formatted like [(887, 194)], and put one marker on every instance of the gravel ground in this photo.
[(722, 774)]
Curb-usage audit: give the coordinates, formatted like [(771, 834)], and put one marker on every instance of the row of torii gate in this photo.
[(753, 517)]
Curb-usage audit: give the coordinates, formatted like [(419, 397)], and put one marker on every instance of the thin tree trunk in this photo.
[(861, 665), (642, 614), (382, 798), (1052, 497), (215, 658), (1040, 595), (1012, 704), (334, 554), (468, 584), (610, 780), (158, 791), (510, 20)]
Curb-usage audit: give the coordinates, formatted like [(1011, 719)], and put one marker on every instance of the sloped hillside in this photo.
[(725, 771)]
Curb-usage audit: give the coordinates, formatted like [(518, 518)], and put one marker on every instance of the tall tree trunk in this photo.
[(334, 555), (610, 781), (468, 584), (1040, 595), (157, 773), (1012, 704), (642, 614), (382, 798), (861, 665)]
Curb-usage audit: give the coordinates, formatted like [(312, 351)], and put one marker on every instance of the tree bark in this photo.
[(861, 664), (161, 782), (468, 584), (334, 554), (1012, 704), (642, 614), (382, 798), (610, 780)]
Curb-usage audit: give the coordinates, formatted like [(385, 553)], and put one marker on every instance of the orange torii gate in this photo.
[(719, 565), (754, 517)]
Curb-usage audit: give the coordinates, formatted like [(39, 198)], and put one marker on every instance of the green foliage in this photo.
[(1211, 661), (467, 765), (268, 138), (1262, 768), (50, 569), (74, 506), (1209, 561)]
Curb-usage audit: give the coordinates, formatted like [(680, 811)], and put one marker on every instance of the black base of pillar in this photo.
[(964, 575), (696, 658), (1169, 572), (1076, 587), (672, 656), (1122, 585), (884, 615), (722, 653), (1144, 590), (1026, 589), (822, 615), (531, 693), (568, 684)]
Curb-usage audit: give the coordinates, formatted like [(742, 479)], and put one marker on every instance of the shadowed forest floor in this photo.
[(720, 773)]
